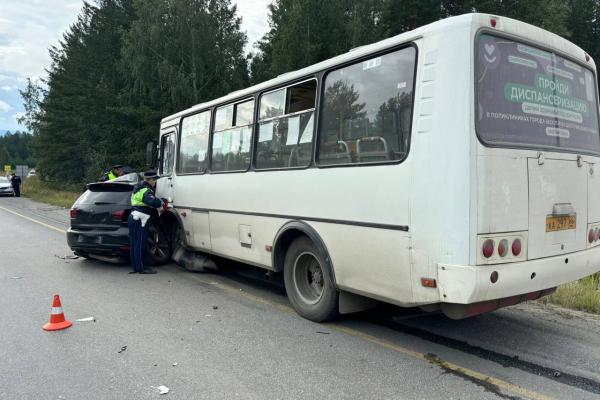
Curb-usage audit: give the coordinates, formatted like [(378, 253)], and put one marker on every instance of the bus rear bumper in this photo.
[(465, 284)]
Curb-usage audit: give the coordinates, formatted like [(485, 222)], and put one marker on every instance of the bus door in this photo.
[(164, 186)]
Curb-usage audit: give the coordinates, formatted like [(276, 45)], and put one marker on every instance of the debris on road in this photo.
[(175, 364), (162, 389), (556, 374), (67, 257), (86, 319), (17, 277), (208, 315), (192, 261), (122, 349), (323, 333), (215, 307)]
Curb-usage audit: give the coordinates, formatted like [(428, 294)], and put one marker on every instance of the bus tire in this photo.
[(307, 283)]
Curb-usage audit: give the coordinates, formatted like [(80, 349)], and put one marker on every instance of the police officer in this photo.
[(143, 204), (114, 172), (15, 180)]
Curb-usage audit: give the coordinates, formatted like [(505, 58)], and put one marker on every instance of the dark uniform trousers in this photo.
[(138, 242)]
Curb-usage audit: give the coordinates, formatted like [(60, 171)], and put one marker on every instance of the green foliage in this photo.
[(44, 192), (15, 149), (303, 32), (582, 295), (125, 64), (120, 68)]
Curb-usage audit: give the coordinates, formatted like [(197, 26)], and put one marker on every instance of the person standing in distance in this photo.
[(15, 180), (144, 204)]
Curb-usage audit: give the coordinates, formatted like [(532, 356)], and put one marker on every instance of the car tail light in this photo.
[(516, 247), (591, 236), (118, 215), (587, 57), (503, 247), (73, 213), (493, 22), (488, 248)]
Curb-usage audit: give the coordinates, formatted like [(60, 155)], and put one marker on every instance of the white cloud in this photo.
[(4, 106), (28, 28), (254, 19)]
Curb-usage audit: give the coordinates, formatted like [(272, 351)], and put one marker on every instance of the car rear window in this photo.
[(531, 97), (106, 194)]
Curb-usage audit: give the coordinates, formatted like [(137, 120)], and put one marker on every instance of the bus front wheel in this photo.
[(307, 283)]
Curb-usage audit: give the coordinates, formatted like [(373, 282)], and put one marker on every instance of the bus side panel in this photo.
[(244, 237), (440, 194), (370, 261)]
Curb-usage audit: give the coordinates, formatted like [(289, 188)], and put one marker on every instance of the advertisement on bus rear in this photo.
[(534, 98)]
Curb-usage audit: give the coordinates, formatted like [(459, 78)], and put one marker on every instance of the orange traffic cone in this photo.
[(57, 318)]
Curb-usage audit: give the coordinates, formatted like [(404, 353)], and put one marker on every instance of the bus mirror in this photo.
[(151, 154)]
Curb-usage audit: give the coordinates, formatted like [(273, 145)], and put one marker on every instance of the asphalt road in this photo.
[(234, 335)]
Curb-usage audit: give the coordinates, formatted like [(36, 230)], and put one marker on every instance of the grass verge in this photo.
[(40, 191), (582, 295)]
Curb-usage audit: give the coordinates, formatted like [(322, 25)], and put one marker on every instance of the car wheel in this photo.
[(159, 246), (308, 283)]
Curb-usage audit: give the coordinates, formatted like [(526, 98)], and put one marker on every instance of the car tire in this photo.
[(159, 245), (308, 282)]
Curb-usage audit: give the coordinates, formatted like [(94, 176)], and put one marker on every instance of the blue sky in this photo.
[(28, 28)]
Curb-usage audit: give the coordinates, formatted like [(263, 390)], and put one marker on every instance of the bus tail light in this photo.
[(488, 248), (516, 247), (593, 238), (502, 247), (428, 282)]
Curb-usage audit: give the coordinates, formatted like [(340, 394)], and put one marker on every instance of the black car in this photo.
[(99, 223)]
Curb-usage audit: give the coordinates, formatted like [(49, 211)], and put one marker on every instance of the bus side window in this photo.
[(232, 137), (167, 154), (193, 148), (285, 129), (366, 110)]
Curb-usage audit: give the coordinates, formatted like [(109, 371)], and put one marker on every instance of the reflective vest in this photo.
[(111, 176), (137, 198)]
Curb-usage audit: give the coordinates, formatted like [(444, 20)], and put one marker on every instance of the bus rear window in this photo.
[(529, 97)]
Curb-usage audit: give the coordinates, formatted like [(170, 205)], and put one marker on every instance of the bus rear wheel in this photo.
[(307, 283)]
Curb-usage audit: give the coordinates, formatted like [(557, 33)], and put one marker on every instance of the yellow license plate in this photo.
[(561, 223)]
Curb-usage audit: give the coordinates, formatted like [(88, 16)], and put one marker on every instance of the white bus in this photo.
[(455, 167)]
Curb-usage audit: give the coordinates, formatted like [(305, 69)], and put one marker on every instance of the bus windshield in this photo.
[(529, 97)]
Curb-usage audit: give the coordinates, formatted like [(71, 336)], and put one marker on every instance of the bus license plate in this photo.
[(561, 223)]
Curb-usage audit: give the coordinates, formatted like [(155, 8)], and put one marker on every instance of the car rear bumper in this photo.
[(464, 284), (99, 242)]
